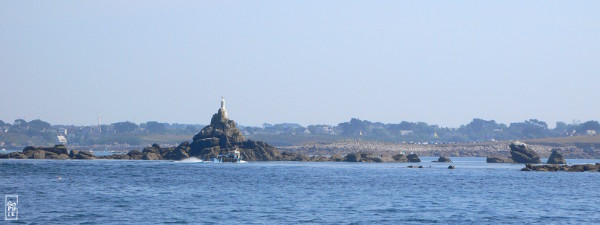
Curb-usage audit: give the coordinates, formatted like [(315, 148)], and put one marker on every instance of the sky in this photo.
[(306, 62)]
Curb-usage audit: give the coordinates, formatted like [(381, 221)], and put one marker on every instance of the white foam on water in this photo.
[(190, 160)]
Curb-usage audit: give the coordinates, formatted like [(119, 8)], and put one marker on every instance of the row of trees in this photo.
[(478, 130)]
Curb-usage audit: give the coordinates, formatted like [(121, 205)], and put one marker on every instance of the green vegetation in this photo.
[(38, 132)]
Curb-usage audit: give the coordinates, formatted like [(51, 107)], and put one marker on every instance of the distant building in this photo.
[(405, 132), (321, 129), (591, 132), (61, 139), (62, 130)]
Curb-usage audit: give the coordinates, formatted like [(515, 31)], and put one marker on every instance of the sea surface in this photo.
[(165, 192)]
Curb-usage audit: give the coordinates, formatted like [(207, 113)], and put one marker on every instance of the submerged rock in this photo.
[(556, 158), (522, 154), (451, 167), (498, 160)]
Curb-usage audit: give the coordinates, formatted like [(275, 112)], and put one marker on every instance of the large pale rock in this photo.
[(522, 154)]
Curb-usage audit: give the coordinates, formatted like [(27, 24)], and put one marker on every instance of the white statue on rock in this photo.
[(223, 107)]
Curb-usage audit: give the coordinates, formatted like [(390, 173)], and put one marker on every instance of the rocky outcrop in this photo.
[(56, 152), (522, 154), (352, 157), (38, 154), (179, 153), (413, 158), (566, 168), (556, 158), (451, 167), (443, 159), (222, 137), (153, 153), (400, 158), (367, 157), (83, 155), (134, 154), (494, 159), (336, 158)]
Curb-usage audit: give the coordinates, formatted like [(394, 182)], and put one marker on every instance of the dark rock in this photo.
[(300, 158), (73, 154), (387, 158), (154, 149), (400, 158), (4, 156), (413, 158), (566, 168), (319, 158), (444, 160), (38, 154), (135, 154), (451, 167), (260, 152), (84, 155), (591, 167), (181, 152), (62, 156), (116, 156), (420, 167), (522, 154), (336, 158), (17, 155), (57, 149), (151, 156), (352, 157), (556, 158), (498, 160), (29, 149), (50, 155)]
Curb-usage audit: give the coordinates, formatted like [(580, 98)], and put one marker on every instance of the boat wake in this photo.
[(190, 160)]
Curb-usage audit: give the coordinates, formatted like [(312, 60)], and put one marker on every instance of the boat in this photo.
[(231, 157)]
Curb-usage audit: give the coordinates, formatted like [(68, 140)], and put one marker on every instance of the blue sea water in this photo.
[(162, 192)]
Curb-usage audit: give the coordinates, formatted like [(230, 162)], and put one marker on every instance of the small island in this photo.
[(220, 140)]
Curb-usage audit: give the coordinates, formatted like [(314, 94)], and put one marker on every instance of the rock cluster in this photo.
[(222, 136), (367, 157), (556, 158), (520, 153), (155, 152), (566, 168), (56, 152), (219, 138)]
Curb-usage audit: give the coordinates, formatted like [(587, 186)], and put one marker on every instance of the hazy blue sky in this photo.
[(310, 62)]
